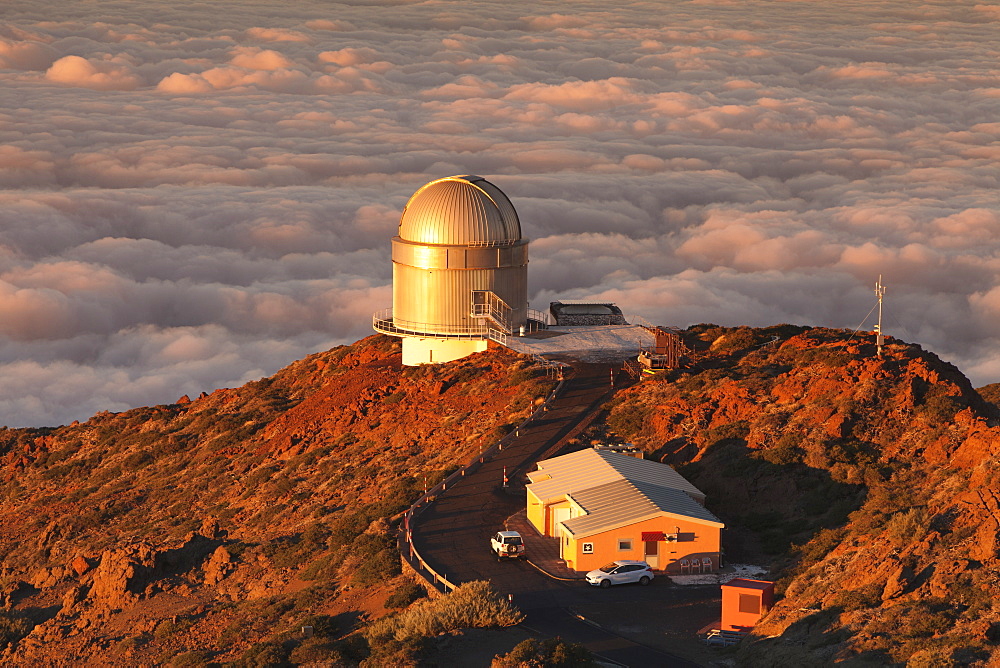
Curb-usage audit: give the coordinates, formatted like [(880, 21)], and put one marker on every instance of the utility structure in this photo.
[(459, 272), (879, 338), (668, 350)]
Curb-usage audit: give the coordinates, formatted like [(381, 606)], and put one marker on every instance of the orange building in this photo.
[(604, 506), (744, 602)]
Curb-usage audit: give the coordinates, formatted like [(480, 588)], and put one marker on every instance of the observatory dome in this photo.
[(461, 211)]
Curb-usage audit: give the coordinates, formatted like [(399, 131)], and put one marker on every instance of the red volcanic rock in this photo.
[(883, 470), (80, 565), (121, 575), (258, 491), (47, 577), (218, 566)]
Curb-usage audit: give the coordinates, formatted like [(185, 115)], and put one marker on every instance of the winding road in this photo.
[(452, 535)]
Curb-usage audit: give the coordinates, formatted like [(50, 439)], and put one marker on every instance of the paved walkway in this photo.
[(542, 551)]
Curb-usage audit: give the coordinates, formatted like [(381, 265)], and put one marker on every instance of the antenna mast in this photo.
[(879, 292)]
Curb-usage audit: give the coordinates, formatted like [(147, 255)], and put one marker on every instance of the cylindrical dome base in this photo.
[(432, 286), (418, 351)]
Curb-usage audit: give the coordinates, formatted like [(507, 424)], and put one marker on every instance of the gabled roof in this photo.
[(616, 490), (623, 502), (588, 468)]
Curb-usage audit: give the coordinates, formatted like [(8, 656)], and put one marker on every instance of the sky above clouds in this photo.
[(195, 194)]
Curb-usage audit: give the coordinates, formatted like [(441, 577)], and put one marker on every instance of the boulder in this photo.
[(80, 565), (897, 583), (219, 565), (47, 577), (122, 575)]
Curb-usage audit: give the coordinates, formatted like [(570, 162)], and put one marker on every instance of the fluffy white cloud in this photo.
[(107, 74), (195, 196)]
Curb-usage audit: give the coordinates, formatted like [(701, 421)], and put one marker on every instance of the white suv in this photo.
[(620, 572), (507, 545)]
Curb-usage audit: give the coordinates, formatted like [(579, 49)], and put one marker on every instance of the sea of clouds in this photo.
[(195, 194)]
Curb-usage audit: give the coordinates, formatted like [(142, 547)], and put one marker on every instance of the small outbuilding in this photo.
[(604, 505), (583, 315), (744, 602)]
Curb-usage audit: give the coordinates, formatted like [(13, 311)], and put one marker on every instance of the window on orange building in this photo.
[(588, 548), (624, 544), (750, 604)]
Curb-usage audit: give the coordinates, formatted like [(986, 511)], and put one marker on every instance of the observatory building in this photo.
[(459, 272)]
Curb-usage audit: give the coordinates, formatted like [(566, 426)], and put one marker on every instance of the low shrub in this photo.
[(908, 525), (13, 627), (730, 432), (407, 593), (858, 599), (318, 651), (394, 398), (263, 655), (195, 659), (940, 409), (168, 627), (629, 419), (551, 653), (322, 625), (377, 567), (472, 605), (785, 451), (323, 568)]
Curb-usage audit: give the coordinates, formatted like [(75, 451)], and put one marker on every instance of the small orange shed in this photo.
[(744, 602)]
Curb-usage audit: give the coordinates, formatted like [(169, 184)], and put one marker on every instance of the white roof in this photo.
[(616, 490), (623, 502), (589, 468)]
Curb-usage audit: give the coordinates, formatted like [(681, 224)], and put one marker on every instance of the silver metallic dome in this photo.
[(460, 210)]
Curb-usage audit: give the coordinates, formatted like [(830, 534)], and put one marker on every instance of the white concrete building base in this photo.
[(417, 351)]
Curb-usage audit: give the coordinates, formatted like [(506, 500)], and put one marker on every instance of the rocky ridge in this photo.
[(212, 530), (870, 483)]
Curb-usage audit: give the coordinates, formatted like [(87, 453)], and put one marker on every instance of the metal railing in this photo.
[(543, 317), (487, 304), (639, 320), (404, 541), (490, 244), (384, 322)]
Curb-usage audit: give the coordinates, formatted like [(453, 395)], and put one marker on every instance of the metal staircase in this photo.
[(495, 312)]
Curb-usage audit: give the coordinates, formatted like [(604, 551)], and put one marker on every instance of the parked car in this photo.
[(507, 545), (621, 572)]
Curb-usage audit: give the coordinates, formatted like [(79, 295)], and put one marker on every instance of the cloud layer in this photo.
[(195, 194)]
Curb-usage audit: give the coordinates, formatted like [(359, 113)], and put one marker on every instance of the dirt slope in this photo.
[(204, 527)]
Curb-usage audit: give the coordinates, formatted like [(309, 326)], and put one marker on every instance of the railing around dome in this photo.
[(490, 244), (382, 321)]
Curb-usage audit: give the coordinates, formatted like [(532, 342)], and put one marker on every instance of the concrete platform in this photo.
[(598, 343)]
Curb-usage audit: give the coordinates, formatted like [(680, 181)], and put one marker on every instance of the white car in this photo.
[(621, 572), (507, 545)]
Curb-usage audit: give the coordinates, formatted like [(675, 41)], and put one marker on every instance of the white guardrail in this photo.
[(404, 541)]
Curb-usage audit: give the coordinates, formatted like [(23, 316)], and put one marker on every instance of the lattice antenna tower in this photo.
[(879, 292)]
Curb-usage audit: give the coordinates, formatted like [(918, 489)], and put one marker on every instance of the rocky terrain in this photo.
[(212, 530), (870, 483)]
